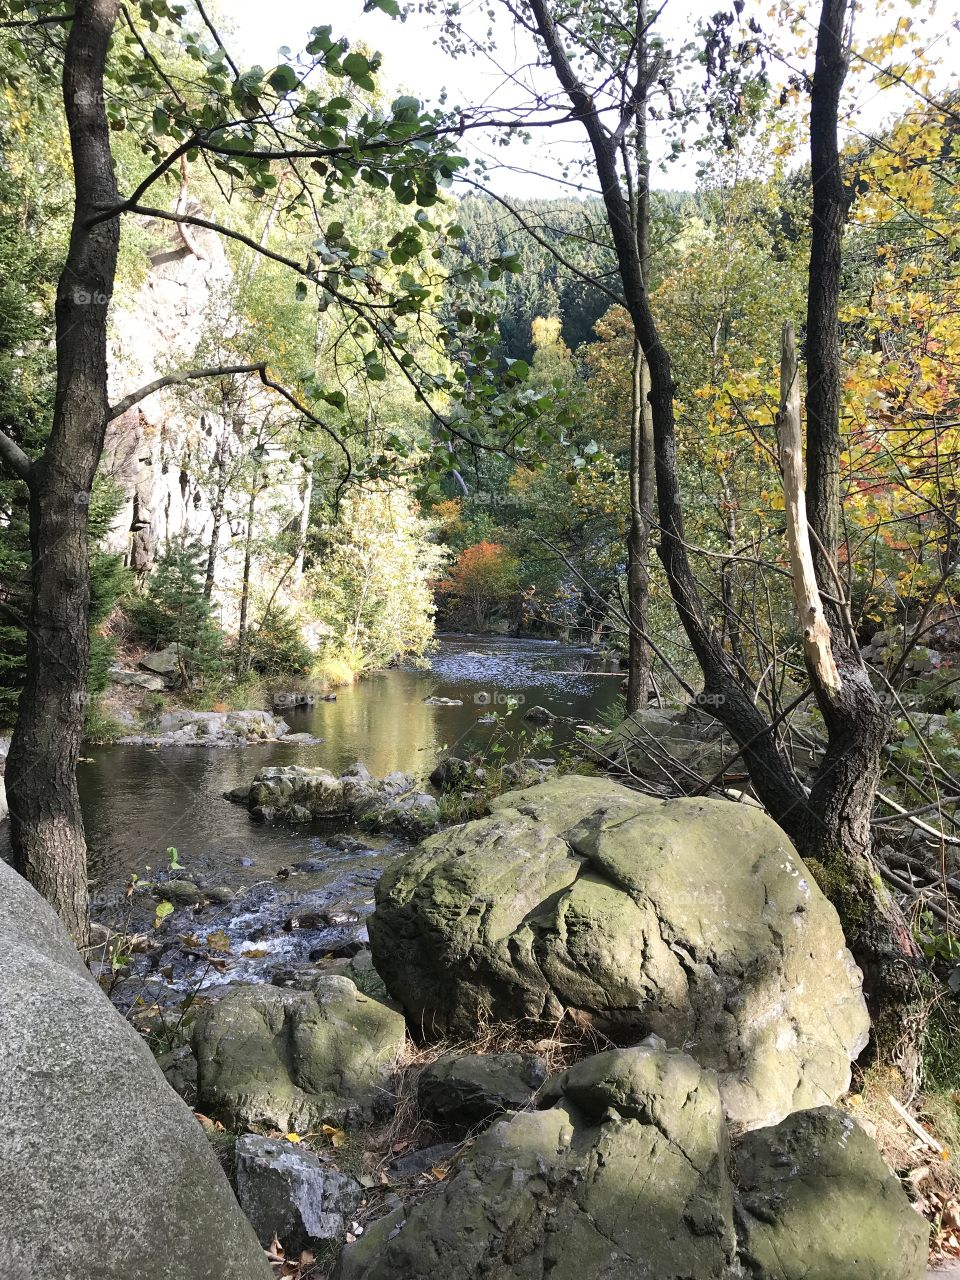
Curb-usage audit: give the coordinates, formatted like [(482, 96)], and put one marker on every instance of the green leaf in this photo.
[(284, 79)]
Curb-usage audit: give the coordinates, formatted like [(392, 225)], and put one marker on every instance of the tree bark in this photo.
[(46, 824)]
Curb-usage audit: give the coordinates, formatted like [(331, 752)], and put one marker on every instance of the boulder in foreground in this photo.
[(104, 1172), (627, 1176), (695, 920), (291, 1060)]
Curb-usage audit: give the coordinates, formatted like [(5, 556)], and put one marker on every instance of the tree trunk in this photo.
[(46, 825), (242, 626), (834, 827), (216, 511), (305, 501), (831, 826), (638, 536)]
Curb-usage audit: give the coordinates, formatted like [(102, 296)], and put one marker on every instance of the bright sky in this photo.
[(413, 63)]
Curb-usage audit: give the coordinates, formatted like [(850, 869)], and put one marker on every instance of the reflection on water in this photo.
[(137, 801)]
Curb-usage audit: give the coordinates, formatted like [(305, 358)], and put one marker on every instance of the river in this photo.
[(139, 801)]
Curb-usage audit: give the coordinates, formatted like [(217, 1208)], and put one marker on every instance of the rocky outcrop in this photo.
[(211, 729), (693, 919), (163, 453), (287, 1192), (103, 1170), (459, 1092), (816, 1202), (291, 1060), (298, 793), (626, 1172)]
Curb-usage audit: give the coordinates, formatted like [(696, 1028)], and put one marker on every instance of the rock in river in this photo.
[(694, 919), (298, 792), (104, 1172)]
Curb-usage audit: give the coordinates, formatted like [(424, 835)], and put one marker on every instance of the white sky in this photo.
[(414, 64)]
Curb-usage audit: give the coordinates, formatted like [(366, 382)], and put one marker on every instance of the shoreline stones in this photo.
[(695, 920), (210, 729), (301, 793)]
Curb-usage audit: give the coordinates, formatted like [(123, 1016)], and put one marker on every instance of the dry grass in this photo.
[(929, 1169), (368, 1152)]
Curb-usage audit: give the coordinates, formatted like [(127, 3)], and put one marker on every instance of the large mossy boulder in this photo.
[(692, 919), (104, 1172), (624, 1176), (817, 1202), (292, 1060)]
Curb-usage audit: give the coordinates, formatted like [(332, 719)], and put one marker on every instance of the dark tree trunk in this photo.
[(833, 829), (46, 825), (831, 825)]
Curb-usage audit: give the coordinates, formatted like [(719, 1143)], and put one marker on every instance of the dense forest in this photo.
[(296, 388)]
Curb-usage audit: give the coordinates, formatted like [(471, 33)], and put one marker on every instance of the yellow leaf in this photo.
[(293, 1137), (337, 1136)]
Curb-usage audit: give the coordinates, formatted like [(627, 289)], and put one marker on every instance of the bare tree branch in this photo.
[(15, 458)]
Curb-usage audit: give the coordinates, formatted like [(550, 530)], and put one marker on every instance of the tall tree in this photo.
[(240, 125), (831, 825)]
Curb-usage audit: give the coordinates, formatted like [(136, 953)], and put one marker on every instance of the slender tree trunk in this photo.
[(638, 536), (305, 502), (834, 827), (46, 825), (641, 422), (217, 509), (242, 626)]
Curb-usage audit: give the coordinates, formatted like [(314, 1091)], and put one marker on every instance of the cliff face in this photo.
[(171, 452)]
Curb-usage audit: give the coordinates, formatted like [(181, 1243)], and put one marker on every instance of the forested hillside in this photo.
[(566, 479)]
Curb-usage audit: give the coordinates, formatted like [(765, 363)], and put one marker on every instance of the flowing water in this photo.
[(139, 801)]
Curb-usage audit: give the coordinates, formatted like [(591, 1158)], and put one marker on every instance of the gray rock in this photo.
[(165, 662), (443, 702), (693, 919), (452, 772), (291, 1060), (817, 1202), (287, 1191), (392, 803), (103, 1170), (181, 892), (237, 795), (138, 679), (179, 1067), (416, 1163), (460, 1093), (624, 1177)]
